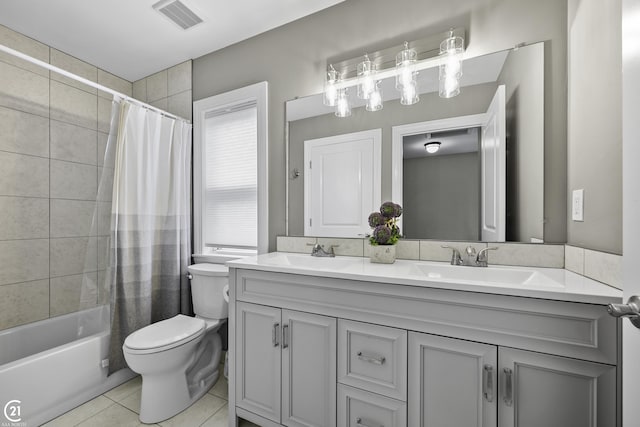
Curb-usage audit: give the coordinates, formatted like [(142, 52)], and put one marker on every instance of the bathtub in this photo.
[(51, 366)]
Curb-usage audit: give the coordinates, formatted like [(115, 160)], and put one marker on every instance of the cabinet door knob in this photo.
[(487, 382), (371, 358), (508, 389), (360, 423)]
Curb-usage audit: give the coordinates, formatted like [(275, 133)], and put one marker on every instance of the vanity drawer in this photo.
[(373, 357), (359, 408)]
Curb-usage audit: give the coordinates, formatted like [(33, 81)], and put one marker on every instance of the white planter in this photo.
[(383, 254)]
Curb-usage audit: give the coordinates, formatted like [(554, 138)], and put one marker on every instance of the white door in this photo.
[(452, 382), (308, 370), (493, 170), (342, 183), (631, 205), (259, 359)]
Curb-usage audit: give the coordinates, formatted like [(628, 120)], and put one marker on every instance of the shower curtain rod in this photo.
[(87, 82)]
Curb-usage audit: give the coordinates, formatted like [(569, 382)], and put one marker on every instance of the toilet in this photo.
[(179, 358)]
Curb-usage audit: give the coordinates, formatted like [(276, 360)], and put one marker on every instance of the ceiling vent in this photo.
[(178, 13)]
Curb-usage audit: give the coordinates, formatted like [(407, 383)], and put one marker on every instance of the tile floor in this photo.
[(121, 405)]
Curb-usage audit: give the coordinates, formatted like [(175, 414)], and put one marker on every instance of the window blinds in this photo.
[(231, 203)]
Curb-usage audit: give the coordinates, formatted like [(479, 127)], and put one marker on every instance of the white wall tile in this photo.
[(24, 133), (23, 260), (73, 255), (25, 45), (24, 218), (140, 90), (113, 82), (71, 218), (603, 267), (105, 184), (73, 143), (24, 176), (104, 114), (342, 247), (295, 244), (73, 293), (530, 255), (574, 259), (22, 303), (407, 249), (179, 78), (103, 139), (157, 86), (180, 105), (74, 66), (104, 219), (24, 90), (73, 181), (160, 103), (72, 105)]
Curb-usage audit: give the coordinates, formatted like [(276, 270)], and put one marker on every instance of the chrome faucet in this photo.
[(471, 258), (319, 251)]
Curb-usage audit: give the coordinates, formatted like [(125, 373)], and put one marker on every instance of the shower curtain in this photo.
[(150, 222)]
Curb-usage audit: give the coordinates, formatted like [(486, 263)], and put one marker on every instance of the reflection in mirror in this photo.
[(521, 71)]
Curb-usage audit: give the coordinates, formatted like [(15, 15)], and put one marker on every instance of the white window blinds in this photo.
[(231, 203)]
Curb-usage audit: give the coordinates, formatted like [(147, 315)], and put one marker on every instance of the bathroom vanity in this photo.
[(343, 342)]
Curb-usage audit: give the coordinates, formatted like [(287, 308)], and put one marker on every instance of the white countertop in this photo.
[(546, 283)]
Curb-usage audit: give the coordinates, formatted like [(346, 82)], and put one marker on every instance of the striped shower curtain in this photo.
[(150, 240)]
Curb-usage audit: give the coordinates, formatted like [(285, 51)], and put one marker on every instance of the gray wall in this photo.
[(53, 133), (525, 144), (595, 122), (292, 58), (442, 202), (472, 100)]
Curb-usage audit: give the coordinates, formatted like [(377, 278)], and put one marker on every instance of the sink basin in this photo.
[(485, 275), (311, 262)]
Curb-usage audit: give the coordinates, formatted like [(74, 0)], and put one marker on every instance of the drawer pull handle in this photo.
[(371, 358), (274, 334), (508, 390), (487, 383), (360, 423)]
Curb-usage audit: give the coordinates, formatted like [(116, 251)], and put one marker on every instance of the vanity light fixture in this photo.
[(369, 76), (450, 71), (432, 147)]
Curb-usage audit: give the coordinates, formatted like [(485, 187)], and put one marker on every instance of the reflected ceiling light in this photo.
[(432, 147), (366, 74), (450, 71)]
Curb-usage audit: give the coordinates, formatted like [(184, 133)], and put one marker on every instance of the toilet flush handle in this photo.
[(225, 293)]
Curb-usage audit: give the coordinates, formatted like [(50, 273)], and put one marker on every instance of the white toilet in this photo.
[(178, 358)]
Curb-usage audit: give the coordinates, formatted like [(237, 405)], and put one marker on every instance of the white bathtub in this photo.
[(51, 366)]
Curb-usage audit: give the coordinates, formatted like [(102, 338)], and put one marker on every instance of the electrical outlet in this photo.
[(577, 205)]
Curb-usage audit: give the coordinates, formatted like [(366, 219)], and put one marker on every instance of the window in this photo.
[(230, 172)]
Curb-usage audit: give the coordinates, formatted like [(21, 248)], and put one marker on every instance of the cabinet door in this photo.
[(552, 391), (258, 359), (309, 370), (452, 383)]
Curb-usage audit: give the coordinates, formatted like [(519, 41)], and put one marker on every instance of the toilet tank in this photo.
[(207, 290)]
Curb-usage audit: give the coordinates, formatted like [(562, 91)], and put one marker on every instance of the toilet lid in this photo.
[(166, 333), (209, 269)]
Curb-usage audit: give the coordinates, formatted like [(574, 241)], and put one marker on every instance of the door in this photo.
[(258, 361), (453, 382), (342, 183), (541, 390), (308, 370), (493, 170), (631, 205)]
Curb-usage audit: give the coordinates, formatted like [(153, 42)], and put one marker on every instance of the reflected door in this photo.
[(342, 183)]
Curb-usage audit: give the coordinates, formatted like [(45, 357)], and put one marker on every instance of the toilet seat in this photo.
[(165, 335)]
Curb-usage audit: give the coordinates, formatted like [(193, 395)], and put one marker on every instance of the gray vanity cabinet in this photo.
[(452, 383), (286, 365)]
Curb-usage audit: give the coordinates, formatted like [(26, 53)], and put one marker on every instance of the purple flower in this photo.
[(376, 219), (382, 234), (390, 210)]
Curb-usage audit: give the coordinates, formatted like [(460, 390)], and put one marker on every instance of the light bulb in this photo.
[(366, 73), (409, 95), (374, 103), (330, 92), (343, 109)]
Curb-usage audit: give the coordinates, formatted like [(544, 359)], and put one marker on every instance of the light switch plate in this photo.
[(577, 205)]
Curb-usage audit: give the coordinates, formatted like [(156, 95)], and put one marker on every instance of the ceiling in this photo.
[(131, 40), (457, 141)]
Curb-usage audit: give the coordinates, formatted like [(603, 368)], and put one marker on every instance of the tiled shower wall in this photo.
[(53, 134), (168, 89)]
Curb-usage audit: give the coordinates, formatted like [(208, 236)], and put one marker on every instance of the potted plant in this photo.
[(386, 233)]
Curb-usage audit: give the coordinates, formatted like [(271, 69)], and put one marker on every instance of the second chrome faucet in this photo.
[(470, 258)]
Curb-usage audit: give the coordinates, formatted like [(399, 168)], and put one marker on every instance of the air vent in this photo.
[(178, 13)]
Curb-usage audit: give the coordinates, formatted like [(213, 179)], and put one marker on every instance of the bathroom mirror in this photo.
[(521, 71)]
